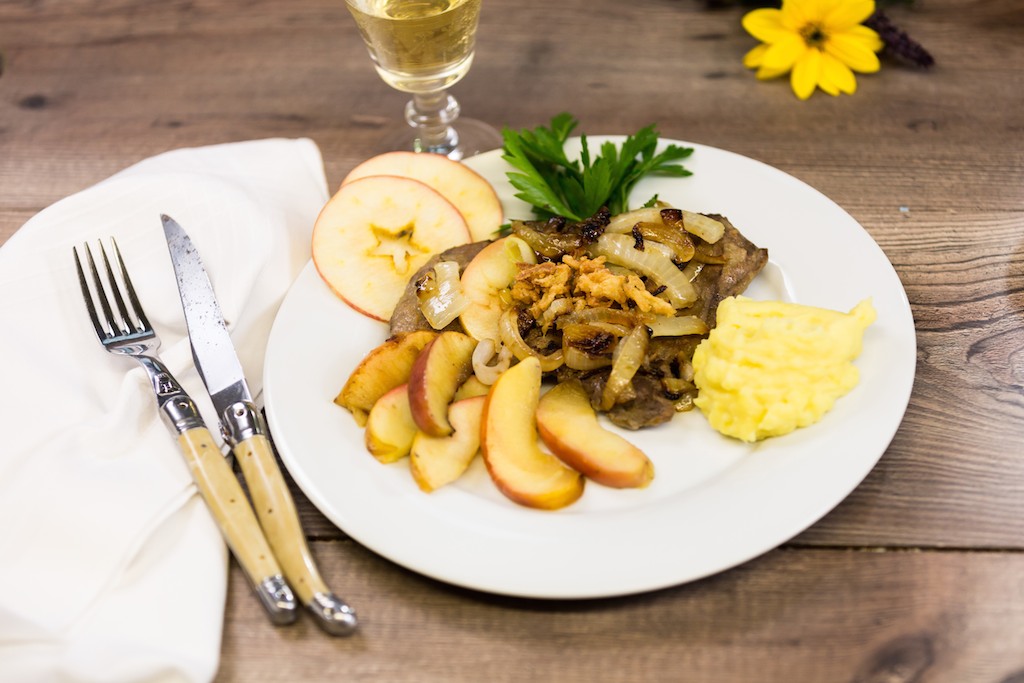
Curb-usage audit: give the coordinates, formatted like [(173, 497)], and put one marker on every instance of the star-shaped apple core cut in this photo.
[(396, 244)]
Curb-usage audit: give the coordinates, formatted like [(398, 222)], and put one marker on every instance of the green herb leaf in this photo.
[(555, 185)]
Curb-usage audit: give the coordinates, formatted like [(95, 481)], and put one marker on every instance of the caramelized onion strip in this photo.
[(627, 359), (667, 326), (440, 295), (488, 362), (624, 222), (508, 329)]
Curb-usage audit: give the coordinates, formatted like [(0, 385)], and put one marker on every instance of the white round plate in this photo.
[(714, 502)]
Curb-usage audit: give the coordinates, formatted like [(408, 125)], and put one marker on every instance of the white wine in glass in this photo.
[(423, 47)]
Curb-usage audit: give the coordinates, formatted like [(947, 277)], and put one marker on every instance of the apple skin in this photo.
[(383, 369), (466, 189), (375, 232), (508, 439), (568, 425), (390, 429), (440, 369), (489, 272), (438, 461)]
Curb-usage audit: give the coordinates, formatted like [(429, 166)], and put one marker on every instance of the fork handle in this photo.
[(280, 520), (225, 499)]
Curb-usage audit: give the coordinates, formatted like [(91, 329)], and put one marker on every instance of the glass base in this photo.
[(465, 138)]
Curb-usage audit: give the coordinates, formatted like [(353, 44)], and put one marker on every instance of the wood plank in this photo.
[(918, 616)]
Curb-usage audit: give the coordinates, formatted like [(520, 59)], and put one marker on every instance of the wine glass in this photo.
[(423, 47)]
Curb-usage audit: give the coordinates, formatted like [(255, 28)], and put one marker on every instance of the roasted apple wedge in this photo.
[(440, 369), (383, 369), (436, 461), (390, 428), (568, 425), (511, 449)]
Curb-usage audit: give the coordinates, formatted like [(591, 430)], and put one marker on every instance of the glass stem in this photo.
[(432, 114)]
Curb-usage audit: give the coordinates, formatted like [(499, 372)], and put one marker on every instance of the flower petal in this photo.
[(764, 74), (765, 25), (853, 52), (836, 75), (783, 54), (828, 88), (867, 35), (847, 14), (806, 74), (796, 14), (753, 59)]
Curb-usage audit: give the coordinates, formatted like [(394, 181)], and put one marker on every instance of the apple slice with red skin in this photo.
[(438, 461), (511, 449), (375, 232), (568, 425), (440, 369), (466, 189), (390, 429)]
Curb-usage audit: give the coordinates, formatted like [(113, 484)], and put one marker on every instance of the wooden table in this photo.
[(917, 576)]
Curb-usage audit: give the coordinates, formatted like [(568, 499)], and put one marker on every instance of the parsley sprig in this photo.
[(557, 186)]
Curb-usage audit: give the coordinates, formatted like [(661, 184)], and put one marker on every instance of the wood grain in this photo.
[(792, 615), (915, 577)]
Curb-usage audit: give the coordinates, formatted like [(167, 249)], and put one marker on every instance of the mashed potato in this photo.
[(770, 367)]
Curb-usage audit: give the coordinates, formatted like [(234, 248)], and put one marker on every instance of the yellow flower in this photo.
[(820, 43)]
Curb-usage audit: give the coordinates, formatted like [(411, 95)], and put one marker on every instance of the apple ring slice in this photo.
[(375, 232), (471, 194)]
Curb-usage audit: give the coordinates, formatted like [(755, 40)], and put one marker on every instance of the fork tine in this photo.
[(127, 324), (101, 294), (87, 295), (130, 289)]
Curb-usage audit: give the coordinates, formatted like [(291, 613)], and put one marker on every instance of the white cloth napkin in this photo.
[(111, 568)]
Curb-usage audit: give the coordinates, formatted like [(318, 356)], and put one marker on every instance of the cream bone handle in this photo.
[(280, 519), (224, 497)]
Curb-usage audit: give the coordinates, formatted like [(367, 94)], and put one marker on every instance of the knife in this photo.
[(246, 432)]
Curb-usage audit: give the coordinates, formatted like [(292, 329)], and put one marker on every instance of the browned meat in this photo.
[(664, 354), (743, 261), (407, 316), (648, 404)]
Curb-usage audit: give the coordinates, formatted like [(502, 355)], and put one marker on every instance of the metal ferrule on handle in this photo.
[(241, 421), (333, 614), (277, 599), (177, 408)]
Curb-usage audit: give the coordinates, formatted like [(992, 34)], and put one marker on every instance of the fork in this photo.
[(124, 330)]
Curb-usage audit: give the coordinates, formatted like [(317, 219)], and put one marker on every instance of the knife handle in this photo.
[(226, 500), (280, 520)]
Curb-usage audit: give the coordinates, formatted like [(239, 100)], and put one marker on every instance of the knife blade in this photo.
[(246, 432)]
